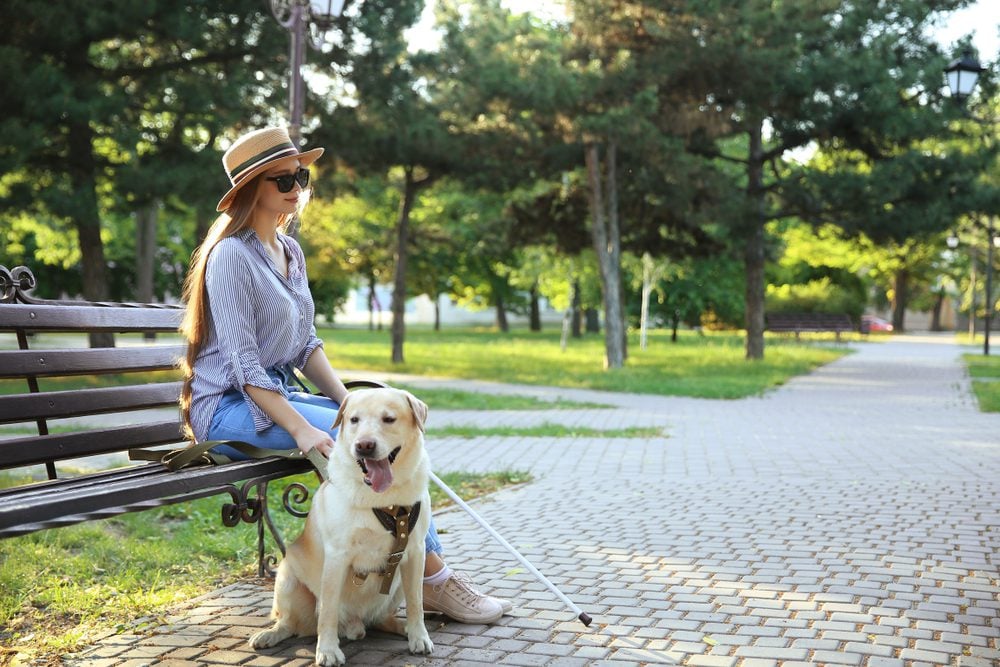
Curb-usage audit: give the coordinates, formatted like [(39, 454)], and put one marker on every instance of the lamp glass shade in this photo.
[(962, 75), (326, 10)]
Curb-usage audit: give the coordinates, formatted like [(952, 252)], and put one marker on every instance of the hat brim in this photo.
[(305, 159)]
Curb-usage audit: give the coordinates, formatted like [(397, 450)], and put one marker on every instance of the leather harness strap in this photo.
[(399, 520)]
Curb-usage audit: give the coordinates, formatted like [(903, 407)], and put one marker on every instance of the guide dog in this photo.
[(330, 580)]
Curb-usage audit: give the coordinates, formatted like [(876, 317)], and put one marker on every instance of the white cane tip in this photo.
[(586, 620)]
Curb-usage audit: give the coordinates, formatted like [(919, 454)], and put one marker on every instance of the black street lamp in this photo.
[(302, 19), (962, 75), (992, 241)]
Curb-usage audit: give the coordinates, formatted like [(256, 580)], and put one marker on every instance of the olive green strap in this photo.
[(198, 454)]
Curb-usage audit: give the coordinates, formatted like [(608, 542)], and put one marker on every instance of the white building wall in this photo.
[(420, 310)]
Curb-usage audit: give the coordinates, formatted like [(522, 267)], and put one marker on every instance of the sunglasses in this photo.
[(286, 182)]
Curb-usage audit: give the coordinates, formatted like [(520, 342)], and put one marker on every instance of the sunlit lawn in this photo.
[(985, 374), (710, 366)]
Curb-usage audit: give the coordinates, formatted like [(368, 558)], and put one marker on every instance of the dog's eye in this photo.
[(388, 419), (354, 420)]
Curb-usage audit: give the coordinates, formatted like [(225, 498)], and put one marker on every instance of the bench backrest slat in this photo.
[(61, 446), (88, 318), (72, 403), (42, 363)]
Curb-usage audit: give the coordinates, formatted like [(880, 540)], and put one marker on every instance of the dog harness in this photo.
[(399, 520)]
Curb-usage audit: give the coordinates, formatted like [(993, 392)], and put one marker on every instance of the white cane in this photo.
[(584, 618)]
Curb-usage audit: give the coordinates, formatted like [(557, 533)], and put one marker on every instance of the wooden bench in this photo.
[(128, 420), (809, 322)]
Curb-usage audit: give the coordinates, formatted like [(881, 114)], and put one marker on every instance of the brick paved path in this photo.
[(850, 517)]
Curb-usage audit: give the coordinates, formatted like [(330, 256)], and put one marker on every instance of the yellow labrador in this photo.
[(330, 579)]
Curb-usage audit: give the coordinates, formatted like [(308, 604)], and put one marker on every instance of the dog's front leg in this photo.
[(328, 642), (412, 570)]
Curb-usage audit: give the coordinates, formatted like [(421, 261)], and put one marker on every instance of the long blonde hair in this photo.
[(194, 327)]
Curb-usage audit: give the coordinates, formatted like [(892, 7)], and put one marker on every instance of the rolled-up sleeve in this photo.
[(230, 298), (311, 346)]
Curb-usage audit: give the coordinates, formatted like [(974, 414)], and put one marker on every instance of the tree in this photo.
[(391, 129), (784, 76), (123, 101)]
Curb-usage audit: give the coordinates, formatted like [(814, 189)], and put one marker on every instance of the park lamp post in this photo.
[(304, 20), (962, 74)]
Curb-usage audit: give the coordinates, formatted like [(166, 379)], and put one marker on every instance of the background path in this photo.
[(849, 517)]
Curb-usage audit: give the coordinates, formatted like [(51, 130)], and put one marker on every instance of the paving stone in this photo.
[(873, 545)]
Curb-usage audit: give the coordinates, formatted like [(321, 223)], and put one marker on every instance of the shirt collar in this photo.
[(249, 236)]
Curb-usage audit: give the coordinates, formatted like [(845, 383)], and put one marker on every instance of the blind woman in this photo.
[(249, 324)]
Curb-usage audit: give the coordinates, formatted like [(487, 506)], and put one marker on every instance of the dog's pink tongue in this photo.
[(379, 473)]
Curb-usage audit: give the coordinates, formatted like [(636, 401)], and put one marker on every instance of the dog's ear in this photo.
[(340, 413), (418, 408)]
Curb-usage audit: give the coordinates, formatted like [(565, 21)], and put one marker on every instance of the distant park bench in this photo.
[(809, 322), (66, 499)]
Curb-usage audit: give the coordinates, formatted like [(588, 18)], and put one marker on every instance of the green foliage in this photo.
[(815, 296), (115, 108)]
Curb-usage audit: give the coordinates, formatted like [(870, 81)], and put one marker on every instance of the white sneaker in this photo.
[(505, 604), (457, 599)]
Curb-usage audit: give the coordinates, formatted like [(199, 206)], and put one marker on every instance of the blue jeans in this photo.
[(232, 421)]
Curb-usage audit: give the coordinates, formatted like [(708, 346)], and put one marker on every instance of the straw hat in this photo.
[(254, 153)]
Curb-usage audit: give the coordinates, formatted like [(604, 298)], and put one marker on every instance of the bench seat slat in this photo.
[(38, 449), (72, 403), (50, 363), (88, 318), (95, 496)]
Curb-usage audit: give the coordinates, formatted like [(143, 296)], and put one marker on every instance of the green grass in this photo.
[(548, 430), (63, 586), (987, 387), (456, 399), (710, 366)]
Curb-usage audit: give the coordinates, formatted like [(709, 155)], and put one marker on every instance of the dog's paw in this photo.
[(267, 638), (354, 629), (330, 656), (420, 643)]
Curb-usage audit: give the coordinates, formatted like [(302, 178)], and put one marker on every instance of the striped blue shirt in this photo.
[(258, 320)]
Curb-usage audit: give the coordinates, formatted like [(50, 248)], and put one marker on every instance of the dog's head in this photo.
[(379, 427)]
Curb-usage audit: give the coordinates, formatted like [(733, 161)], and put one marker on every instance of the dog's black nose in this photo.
[(364, 447)]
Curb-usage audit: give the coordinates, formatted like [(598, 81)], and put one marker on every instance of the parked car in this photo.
[(873, 324)]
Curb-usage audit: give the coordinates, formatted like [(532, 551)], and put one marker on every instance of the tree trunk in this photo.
[(675, 323), (373, 304), (575, 323), (901, 287), (82, 168), (145, 250), (145, 255), (501, 309), (535, 319), (592, 320), (399, 279), (437, 312), (972, 302), (936, 311), (607, 244), (754, 251)]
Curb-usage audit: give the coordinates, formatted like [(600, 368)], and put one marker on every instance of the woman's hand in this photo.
[(311, 437)]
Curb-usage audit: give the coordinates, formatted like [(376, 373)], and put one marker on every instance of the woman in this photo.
[(249, 319)]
